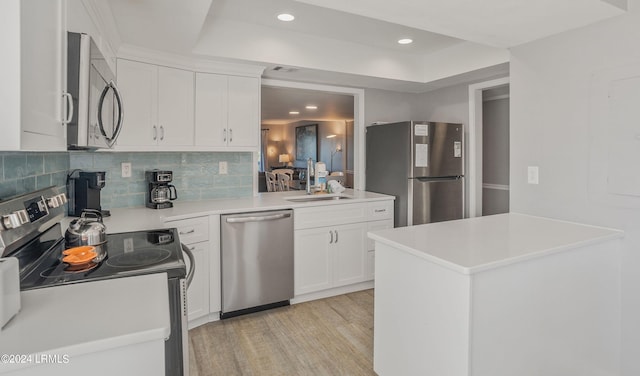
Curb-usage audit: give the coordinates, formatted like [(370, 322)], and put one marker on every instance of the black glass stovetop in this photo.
[(128, 254)]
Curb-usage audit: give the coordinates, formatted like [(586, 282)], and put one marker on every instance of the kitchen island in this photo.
[(507, 294)]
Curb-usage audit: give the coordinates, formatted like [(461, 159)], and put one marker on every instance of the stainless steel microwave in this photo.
[(95, 102)]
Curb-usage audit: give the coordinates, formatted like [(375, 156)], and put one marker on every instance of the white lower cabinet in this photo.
[(313, 264), (371, 254), (329, 257), (333, 256), (194, 233), (349, 243)]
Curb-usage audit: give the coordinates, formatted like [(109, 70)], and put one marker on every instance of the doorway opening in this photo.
[(488, 170)]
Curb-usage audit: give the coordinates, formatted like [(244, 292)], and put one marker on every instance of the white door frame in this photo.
[(474, 174), (358, 121)]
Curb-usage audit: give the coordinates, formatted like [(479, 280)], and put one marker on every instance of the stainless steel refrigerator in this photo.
[(421, 164)]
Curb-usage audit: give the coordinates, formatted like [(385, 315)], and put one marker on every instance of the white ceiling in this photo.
[(498, 23), (354, 42)]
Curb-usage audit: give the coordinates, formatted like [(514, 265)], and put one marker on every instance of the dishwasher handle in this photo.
[(192, 261), (258, 218)]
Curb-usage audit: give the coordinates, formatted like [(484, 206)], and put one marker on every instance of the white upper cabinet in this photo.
[(211, 109), (34, 47), (244, 111), (175, 106), (227, 111), (158, 103)]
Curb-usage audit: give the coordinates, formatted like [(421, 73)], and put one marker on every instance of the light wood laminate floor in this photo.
[(332, 336)]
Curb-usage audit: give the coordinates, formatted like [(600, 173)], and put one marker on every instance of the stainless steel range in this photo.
[(30, 230)]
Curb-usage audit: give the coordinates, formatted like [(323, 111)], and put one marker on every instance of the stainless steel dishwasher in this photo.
[(257, 261)]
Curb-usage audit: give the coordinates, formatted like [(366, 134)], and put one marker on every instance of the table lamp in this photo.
[(284, 159)]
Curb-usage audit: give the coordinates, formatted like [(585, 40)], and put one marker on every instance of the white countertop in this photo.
[(475, 244), (143, 218), (89, 317)]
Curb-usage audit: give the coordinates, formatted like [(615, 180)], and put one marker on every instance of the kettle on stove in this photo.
[(88, 230)]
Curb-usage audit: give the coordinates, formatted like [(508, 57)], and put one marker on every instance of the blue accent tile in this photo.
[(35, 164), (8, 189), (82, 160), (54, 162), (169, 160), (15, 166), (43, 181), (27, 184)]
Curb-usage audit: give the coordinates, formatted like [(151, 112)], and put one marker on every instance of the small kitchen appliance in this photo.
[(30, 231), (160, 192), (88, 230), (94, 102), (84, 191)]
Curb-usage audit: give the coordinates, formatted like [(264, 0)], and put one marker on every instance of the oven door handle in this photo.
[(192, 262)]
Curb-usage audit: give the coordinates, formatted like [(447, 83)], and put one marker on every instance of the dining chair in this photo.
[(286, 171), (283, 181), (272, 185)]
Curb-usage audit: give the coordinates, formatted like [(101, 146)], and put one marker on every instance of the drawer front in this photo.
[(329, 215), (379, 210), (192, 230)]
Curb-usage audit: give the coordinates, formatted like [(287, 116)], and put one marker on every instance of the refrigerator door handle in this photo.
[(439, 178), (410, 203)]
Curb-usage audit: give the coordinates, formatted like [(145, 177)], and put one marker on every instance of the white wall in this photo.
[(555, 96), (387, 106)]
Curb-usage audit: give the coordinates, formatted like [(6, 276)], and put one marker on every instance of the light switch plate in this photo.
[(222, 168), (532, 175)]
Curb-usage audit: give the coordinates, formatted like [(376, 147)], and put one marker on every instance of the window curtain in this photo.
[(264, 164)]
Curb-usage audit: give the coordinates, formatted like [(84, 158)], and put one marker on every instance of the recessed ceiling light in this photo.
[(405, 41), (311, 107), (294, 112), (286, 17)]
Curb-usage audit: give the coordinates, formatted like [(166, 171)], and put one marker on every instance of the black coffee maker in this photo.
[(160, 192), (84, 192)]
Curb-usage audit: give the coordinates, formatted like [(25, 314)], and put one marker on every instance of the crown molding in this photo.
[(193, 63)]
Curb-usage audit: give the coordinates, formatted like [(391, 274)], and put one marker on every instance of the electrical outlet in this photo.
[(222, 168), (532, 175), (126, 169)]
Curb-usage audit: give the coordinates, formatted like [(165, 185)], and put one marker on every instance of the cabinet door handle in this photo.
[(155, 133), (380, 210), (336, 235), (230, 135), (224, 133), (331, 233), (187, 232), (161, 133)]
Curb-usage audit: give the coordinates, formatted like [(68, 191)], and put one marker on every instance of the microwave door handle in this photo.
[(68, 108), (110, 140)]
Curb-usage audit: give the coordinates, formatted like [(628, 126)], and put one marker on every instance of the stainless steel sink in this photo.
[(311, 198)]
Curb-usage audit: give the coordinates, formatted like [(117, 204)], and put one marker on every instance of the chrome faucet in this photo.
[(309, 172)]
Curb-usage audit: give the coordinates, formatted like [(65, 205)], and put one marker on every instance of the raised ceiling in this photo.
[(354, 41), (498, 23)]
